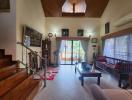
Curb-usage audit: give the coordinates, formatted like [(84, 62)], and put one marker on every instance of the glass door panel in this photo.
[(72, 52), (65, 56)]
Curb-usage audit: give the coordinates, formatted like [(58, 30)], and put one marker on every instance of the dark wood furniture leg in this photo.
[(119, 83), (75, 70), (98, 81), (82, 80)]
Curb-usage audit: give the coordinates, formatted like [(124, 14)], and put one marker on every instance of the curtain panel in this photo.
[(84, 44), (58, 47)]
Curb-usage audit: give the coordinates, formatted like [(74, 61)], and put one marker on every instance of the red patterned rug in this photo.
[(53, 70), (50, 75)]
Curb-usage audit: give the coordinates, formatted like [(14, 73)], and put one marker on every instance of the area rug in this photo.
[(50, 75), (53, 70)]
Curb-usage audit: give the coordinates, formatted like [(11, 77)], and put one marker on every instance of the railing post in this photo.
[(45, 71), (26, 62), (22, 53)]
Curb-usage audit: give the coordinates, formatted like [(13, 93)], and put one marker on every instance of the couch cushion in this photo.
[(101, 59), (112, 66), (117, 67), (118, 94), (98, 93)]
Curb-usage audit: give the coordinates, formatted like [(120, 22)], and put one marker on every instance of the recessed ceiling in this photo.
[(94, 8)]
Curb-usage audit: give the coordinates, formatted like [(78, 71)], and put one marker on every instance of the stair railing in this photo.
[(28, 67)]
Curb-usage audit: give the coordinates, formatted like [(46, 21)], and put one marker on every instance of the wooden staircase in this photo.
[(15, 83)]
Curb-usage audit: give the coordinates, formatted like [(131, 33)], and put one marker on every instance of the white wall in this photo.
[(116, 10), (30, 13), (91, 27), (8, 30)]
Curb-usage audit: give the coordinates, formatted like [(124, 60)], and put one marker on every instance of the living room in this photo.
[(110, 18)]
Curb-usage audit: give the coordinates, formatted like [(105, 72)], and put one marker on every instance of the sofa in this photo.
[(117, 67), (110, 94), (108, 64)]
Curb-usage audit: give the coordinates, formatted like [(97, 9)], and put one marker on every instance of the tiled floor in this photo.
[(66, 86)]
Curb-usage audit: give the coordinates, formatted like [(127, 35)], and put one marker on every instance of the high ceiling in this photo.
[(94, 8)]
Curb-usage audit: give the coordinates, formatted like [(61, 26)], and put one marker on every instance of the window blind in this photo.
[(121, 50), (109, 47), (130, 47)]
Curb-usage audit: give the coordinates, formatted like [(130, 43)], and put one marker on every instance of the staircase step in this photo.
[(22, 91), (12, 81), (9, 57), (2, 52), (34, 91), (8, 71), (5, 61)]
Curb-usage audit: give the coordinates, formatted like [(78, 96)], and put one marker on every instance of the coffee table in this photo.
[(87, 73)]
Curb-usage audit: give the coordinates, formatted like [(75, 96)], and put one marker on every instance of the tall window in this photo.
[(130, 47), (109, 47), (119, 47), (121, 51)]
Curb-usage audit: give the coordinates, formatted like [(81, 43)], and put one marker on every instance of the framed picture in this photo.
[(4, 5), (80, 32), (31, 37), (65, 32), (107, 27), (94, 40)]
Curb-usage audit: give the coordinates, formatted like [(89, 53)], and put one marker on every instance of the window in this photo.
[(109, 47), (130, 47), (119, 47)]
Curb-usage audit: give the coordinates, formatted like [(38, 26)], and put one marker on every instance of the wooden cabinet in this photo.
[(46, 50)]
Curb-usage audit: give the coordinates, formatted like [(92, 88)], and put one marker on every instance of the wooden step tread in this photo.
[(12, 81), (8, 71), (22, 91), (5, 61), (34, 91), (2, 52)]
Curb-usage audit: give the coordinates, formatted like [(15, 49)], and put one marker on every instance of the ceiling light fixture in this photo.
[(74, 6)]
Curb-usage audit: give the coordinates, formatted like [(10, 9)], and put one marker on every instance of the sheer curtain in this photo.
[(109, 47), (84, 44), (121, 51), (58, 46), (62, 47)]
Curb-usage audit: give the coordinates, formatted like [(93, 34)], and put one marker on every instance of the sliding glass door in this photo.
[(72, 52)]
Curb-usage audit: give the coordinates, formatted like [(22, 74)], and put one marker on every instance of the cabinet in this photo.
[(46, 50)]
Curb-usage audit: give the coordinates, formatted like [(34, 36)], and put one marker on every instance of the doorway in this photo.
[(71, 52)]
